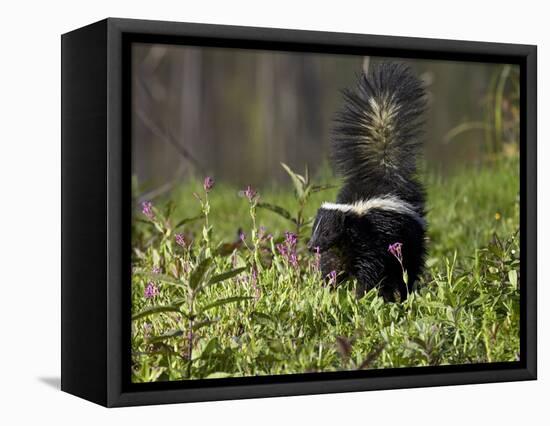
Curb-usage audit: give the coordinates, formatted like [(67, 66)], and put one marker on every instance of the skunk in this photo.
[(375, 146)]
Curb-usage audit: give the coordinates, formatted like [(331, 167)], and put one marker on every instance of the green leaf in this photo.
[(170, 334), (209, 347), (156, 257), (221, 302), (297, 180), (276, 346), (175, 307), (224, 276), (432, 261), (162, 278), (219, 375), (206, 233), (262, 318), (205, 323), (169, 208), (198, 274), (187, 220), (319, 188), (277, 209), (513, 277)]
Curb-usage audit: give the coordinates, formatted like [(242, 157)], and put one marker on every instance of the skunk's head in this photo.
[(328, 229)]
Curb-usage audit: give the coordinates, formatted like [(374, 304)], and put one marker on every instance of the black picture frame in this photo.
[(96, 214)]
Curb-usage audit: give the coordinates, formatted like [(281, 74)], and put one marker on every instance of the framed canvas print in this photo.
[(253, 212)]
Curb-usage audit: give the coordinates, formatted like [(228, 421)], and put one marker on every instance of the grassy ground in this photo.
[(217, 308)]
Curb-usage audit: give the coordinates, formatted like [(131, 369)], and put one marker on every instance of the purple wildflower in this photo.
[(208, 183), (317, 261), (242, 236), (147, 209), (291, 239), (261, 232), (180, 240), (287, 249), (395, 250), (156, 270), (250, 193), (293, 259), (254, 283), (151, 290), (332, 278)]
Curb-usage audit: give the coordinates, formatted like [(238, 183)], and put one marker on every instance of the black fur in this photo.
[(375, 149), (380, 160)]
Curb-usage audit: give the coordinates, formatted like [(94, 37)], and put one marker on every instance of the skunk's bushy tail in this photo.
[(377, 134)]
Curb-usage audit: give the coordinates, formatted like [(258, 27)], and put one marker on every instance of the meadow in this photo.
[(223, 286)]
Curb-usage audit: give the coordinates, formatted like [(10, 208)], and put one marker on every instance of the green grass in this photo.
[(466, 308)]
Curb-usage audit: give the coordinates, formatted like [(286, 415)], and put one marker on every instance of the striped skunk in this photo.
[(374, 149)]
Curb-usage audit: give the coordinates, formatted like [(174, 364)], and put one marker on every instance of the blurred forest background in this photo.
[(237, 114)]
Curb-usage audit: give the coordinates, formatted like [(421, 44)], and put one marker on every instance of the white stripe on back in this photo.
[(362, 207)]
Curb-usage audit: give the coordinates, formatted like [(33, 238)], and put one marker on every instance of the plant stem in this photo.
[(190, 335), (255, 241), (206, 208), (300, 216)]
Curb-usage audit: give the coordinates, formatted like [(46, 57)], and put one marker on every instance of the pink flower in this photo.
[(147, 209), (291, 239), (208, 183), (287, 249), (261, 233), (395, 250), (250, 193), (293, 259), (180, 240), (317, 261), (332, 278), (151, 290), (254, 283)]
